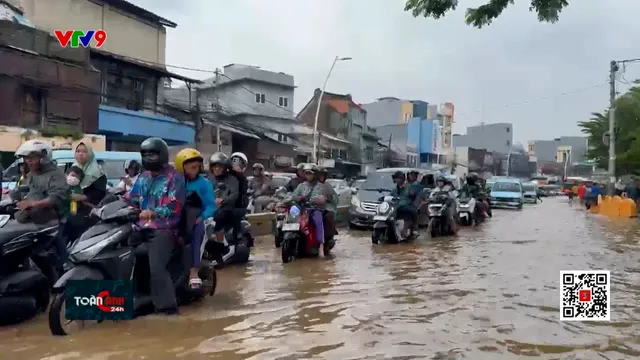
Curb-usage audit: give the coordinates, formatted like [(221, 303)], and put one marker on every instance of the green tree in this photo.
[(627, 133), (547, 10)]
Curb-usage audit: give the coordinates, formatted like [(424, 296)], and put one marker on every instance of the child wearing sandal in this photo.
[(199, 206)]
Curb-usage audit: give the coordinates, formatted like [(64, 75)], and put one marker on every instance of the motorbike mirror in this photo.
[(23, 188)]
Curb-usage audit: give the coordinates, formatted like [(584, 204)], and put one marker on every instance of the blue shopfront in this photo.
[(126, 129)]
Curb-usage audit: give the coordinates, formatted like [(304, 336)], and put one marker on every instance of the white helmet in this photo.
[(38, 148), (241, 156)]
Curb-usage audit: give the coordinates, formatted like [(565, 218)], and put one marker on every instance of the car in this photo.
[(507, 193), (356, 186), (530, 193), (377, 185), (343, 190)]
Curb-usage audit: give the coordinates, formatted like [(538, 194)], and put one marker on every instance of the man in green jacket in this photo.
[(310, 195), (407, 196)]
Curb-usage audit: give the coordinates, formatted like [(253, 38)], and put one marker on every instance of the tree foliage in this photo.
[(627, 133), (547, 10)]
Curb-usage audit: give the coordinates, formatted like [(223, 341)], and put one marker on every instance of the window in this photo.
[(282, 138), (508, 130), (342, 154), (508, 143), (260, 98), (283, 101)]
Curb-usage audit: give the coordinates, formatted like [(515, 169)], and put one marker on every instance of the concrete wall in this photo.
[(546, 150), (399, 138), (421, 133), (386, 111), (493, 137), (127, 35)]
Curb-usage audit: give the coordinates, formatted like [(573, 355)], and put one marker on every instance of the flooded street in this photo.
[(492, 293)]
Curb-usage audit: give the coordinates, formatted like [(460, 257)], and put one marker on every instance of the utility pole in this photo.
[(196, 114), (613, 69), (216, 105), (389, 150)]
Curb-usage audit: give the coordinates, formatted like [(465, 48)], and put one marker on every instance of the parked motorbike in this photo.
[(104, 252), (299, 236), (387, 227), (467, 211), (27, 267), (440, 222)]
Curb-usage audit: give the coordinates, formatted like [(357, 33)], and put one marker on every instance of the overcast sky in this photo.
[(543, 78)]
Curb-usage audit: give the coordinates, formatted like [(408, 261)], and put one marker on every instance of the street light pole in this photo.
[(509, 161), (613, 68), (315, 122)]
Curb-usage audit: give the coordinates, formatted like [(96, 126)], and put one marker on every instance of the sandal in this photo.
[(195, 283)]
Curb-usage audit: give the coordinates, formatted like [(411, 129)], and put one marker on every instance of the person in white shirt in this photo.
[(132, 169)]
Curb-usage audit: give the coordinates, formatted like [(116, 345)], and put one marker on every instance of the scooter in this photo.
[(281, 216), (439, 210), (235, 248), (27, 267), (299, 236), (387, 227), (467, 211), (103, 252)]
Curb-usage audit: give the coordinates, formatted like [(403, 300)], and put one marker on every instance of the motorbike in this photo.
[(439, 214), (299, 236), (27, 266), (281, 216), (467, 211), (103, 252), (387, 227), (235, 248)]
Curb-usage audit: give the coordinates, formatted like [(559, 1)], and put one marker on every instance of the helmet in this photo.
[(309, 168), (398, 175), (472, 178), (322, 170), (219, 158), (186, 155), (300, 166), (159, 148), (242, 157), (413, 172), (441, 178), (132, 164), (39, 148), (258, 166)]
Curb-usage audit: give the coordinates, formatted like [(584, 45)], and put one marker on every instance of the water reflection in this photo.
[(491, 293)]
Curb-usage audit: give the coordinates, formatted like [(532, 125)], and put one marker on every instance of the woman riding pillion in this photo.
[(331, 202), (310, 195), (199, 206), (226, 193)]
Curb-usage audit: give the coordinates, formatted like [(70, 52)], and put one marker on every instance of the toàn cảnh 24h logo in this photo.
[(99, 300), (77, 38)]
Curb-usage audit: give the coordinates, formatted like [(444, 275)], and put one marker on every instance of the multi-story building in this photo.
[(446, 119), (354, 141), (131, 64), (497, 138), (389, 111), (571, 148), (42, 87)]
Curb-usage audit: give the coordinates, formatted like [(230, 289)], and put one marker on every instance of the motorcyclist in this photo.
[(199, 206), (407, 197), (473, 188), (226, 190), (132, 170), (310, 195), (261, 188), (160, 193), (331, 204), (47, 198), (445, 185), (238, 166), (412, 179), (297, 180)]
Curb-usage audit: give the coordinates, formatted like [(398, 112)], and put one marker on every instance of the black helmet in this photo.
[(219, 158), (398, 175), (413, 172), (472, 178), (155, 154), (322, 170)]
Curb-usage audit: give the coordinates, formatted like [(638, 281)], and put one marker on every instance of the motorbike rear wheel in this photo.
[(287, 250), (57, 313)]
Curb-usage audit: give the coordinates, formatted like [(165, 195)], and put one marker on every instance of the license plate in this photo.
[(464, 215), (290, 227), (379, 218)]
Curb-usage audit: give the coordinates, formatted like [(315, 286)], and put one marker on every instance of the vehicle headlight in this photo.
[(294, 214), (383, 208), (92, 248), (355, 201), (464, 206)]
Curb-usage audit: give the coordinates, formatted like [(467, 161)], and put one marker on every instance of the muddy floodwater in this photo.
[(492, 293)]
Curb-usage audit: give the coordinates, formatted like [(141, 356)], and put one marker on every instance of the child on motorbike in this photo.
[(310, 195), (199, 206), (74, 178)]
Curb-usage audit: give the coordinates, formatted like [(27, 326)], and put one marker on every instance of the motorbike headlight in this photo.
[(294, 214), (464, 206), (355, 201), (86, 250), (383, 208)]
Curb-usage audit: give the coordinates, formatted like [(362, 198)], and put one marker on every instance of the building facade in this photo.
[(497, 138), (573, 148), (343, 119), (131, 66), (389, 111), (445, 116), (43, 87)]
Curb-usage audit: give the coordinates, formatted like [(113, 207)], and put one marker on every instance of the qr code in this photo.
[(585, 295)]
